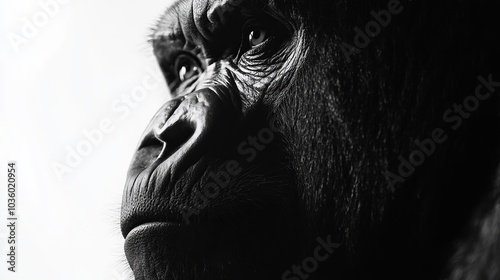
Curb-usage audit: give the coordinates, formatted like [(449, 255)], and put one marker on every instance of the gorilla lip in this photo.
[(137, 229), (143, 227)]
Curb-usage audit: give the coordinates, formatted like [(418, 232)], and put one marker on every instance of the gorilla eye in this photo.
[(260, 38), (186, 67), (257, 36)]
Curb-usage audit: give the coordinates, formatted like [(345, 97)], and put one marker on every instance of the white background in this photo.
[(62, 78)]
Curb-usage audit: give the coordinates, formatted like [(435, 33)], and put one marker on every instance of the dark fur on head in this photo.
[(346, 130)]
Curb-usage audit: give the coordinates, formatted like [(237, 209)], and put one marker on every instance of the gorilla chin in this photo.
[(277, 136)]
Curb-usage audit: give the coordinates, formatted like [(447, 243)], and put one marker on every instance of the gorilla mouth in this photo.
[(158, 220), (156, 181), (173, 232)]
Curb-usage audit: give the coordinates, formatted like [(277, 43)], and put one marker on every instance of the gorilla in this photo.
[(320, 139)]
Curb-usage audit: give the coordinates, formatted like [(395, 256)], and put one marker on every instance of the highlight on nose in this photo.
[(174, 130)]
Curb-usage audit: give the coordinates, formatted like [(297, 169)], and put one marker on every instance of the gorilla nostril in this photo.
[(148, 140), (173, 135)]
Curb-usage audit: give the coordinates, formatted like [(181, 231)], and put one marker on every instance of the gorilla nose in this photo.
[(188, 125)]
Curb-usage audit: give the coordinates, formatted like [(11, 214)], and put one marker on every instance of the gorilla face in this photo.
[(274, 139), (209, 193)]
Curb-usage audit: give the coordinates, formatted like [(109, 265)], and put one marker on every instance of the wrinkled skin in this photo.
[(237, 67)]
